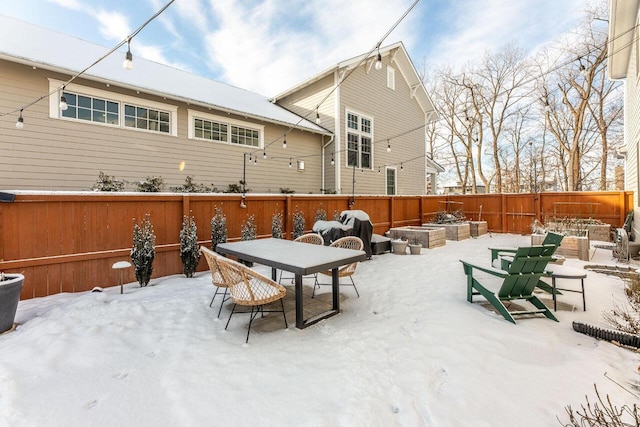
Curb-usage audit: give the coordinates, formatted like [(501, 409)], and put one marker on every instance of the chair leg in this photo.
[(224, 298), (539, 304), (283, 314), (214, 296), (252, 316), (354, 286), (232, 310)]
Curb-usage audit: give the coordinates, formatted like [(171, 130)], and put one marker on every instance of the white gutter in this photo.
[(323, 159)]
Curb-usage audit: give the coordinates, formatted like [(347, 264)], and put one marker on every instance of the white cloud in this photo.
[(113, 25), (270, 46), (69, 4), (479, 26)]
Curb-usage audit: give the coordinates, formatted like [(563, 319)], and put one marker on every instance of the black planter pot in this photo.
[(10, 290)]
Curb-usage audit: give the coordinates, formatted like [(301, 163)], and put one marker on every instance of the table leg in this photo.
[(299, 311), (553, 292), (584, 301), (335, 288), (274, 274)]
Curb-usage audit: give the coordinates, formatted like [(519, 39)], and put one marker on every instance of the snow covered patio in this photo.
[(410, 351)]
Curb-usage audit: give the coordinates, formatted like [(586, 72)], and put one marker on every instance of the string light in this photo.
[(264, 154), (388, 146), (378, 169), (63, 101), (379, 60), (401, 167), (255, 160), (333, 162), (290, 165), (318, 119), (128, 59), (284, 142), (20, 122)]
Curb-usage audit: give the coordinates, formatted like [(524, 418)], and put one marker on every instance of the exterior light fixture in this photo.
[(128, 59), (290, 165), (20, 122), (264, 154), (284, 142), (388, 146), (318, 120), (333, 162)]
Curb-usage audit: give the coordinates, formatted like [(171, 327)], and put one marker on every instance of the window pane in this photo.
[(164, 127), (84, 114), (129, 110), (71, 98), (352, 121), (112, 119), (366, 125), (141, 112), (99, 104), (84, 101), (164, 116), (391, 182), (153, 114), (98, 116), (129, 122), (112, 107), (69, 112)]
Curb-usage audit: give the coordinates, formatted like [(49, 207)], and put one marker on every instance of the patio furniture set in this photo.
[(519, 272), (304, 257)]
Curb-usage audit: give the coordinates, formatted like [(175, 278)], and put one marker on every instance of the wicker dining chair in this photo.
[(310, 238), (348, 242), (251, 289), (216, 276)]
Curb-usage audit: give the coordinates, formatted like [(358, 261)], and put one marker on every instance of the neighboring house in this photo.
[(457, 189), (378, 117), (155, 120), (624, 64)]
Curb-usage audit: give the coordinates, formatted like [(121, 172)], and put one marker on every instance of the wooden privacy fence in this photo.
[(68, 242)]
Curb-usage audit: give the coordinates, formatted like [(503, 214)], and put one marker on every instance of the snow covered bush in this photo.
[(321, 215), (190, 186), (277, 223), (298, 224), (248, 229), (151, 184), (144, 250), (189, 249), (218, 228), (106, 182)]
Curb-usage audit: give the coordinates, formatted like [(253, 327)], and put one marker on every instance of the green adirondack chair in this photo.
[(517, 283), (550, 239)]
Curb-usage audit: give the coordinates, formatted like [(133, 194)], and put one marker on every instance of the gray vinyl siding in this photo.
[(632, 124), (56, 154), (304, 102), (393, 112)]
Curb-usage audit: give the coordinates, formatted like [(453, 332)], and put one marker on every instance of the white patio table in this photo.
[(300, 259)]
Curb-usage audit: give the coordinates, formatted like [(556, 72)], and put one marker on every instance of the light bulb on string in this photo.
[(264, 154), (63, 101), (318, 120), (20, 122), (379, 61), (284, 142), (290, 165), (388, 146), (401, 167), (333, 162), (378, 169), (128, 58)]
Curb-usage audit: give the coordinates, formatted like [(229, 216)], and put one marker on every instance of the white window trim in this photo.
[(391, 77), (360, 134), (395, 184), (193, 114), (54, 109)]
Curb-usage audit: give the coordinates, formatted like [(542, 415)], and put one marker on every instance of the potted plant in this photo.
[(10, 288), (399, 246), (415, 247)]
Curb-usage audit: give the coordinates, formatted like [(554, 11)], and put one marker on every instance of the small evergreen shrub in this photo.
[(218, 228), (144, 250), (298, 224), (277, 225), (106, 182), (336, 215), (248, 230), (189, 249), (237, 188), (321, 215), (151, 184), (286, 190), (191, 187)]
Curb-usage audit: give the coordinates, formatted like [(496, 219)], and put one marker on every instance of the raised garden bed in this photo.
[(600, 232), (571, 246), (453, 231), (429, 237), (478, 228)]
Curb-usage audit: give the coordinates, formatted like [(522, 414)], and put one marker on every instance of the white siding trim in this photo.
[(192, 114), (391, 77), (54, 110)]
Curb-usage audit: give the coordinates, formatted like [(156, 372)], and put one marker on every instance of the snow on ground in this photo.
[(411, 351)]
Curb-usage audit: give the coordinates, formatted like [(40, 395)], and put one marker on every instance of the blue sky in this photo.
[(268, 46)]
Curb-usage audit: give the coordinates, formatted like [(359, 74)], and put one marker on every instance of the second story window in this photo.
[(92, 109), (359, 140), (224, 129)]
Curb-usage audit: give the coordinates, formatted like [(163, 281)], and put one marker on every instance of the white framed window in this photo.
[(391, 77), (391, 184), (359, 140), (224, 129), (102, 107)]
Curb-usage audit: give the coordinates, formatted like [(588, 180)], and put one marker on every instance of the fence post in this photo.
[(391, 216), (503, 216), (288, 217)]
